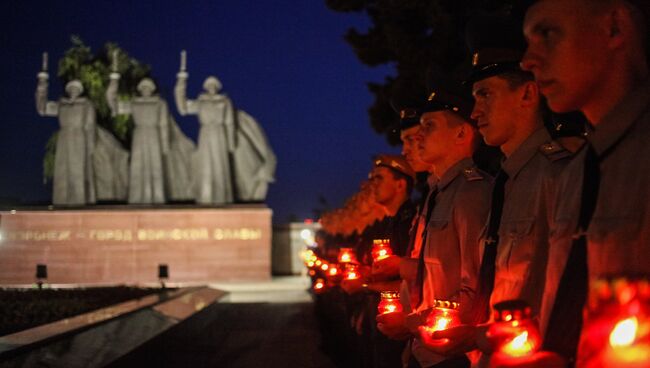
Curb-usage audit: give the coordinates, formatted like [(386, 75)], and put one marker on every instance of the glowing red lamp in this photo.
[(514, 334), (381, 249), (389, 303), (616, 330), (443, 315), (346, 255)]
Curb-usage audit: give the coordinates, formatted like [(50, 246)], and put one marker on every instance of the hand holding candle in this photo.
[(389, 302)]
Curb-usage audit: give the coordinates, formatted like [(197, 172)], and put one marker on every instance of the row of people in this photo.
[(546, 263)]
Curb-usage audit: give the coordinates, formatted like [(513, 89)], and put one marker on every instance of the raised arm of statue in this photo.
[(117, 107), (43, 106), (164, 127), (111, 92)]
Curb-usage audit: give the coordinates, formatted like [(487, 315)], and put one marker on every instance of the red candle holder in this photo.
[(616, 329), (389, 303), (381, 249), (351, 272), (346, 255), (514, 333), (442, 316)]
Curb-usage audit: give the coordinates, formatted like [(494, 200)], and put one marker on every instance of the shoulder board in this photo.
[(472, 174), (554, 151)]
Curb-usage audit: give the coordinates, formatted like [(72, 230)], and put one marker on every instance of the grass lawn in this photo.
[(21, 309)]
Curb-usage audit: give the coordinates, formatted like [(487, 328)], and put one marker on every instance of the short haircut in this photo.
[(517, 78), (398, 175)]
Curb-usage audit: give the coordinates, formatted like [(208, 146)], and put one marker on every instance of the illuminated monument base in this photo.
[(126, 246)]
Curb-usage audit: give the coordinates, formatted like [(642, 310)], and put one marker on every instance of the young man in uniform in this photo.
[(591, 56), (508, 109), (454, 213)]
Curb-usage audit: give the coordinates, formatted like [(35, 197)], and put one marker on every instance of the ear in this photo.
[(619, 25), (530, 94), (462, 134)]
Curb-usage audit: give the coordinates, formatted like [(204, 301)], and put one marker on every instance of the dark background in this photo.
[(284, 62)]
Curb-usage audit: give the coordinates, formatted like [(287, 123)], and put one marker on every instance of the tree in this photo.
[(420, 38), (93, 70)]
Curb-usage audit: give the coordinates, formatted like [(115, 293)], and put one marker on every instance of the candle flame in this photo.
[(441, 323), (624, 332), (519, 346), (390, 308), (352, 275), (324, 267), (333, 271), (318, 285), (345, 257)]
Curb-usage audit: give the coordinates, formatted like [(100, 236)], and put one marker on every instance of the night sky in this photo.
[(284, 62)]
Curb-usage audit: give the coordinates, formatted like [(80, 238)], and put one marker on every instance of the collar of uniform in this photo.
[(432, 181), (454, 171), (620, 119), (513, 164)]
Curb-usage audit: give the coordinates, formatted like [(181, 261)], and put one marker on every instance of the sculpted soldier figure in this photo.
[(73, 169), (212, 171), (150, 139)]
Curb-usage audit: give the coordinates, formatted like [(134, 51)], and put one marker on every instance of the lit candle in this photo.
[(333, 271), (44, 66), (514, 334), (616, 330), (183, 60), (381, 249), (319, 286), (443, 315), (324, 266), (351, 272), (389, 303), (346, 255)]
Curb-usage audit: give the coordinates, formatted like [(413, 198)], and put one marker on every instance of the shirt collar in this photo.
[(620, 118), (454, 171), (515, 162)]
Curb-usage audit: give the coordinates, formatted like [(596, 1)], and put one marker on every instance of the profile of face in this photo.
[(567, 51), (410, 140), (384, 184), (436, 136), (146, 87), (494, 103)]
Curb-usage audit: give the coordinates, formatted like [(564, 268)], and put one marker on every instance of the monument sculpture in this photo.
[(254, 160), (152, 165), (212, 171), (89, 163)]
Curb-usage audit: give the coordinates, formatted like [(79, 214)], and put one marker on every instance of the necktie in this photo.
[(481, 304), (565, 322), (419, 279)]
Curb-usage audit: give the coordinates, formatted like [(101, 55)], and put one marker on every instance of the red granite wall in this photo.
[(126, 246)]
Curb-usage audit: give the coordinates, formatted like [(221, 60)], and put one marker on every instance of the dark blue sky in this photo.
[(284, 62)]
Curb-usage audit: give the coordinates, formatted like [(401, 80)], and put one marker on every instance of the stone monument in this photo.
[(212, 171)]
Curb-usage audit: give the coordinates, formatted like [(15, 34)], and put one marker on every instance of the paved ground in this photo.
[(258, 325)]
